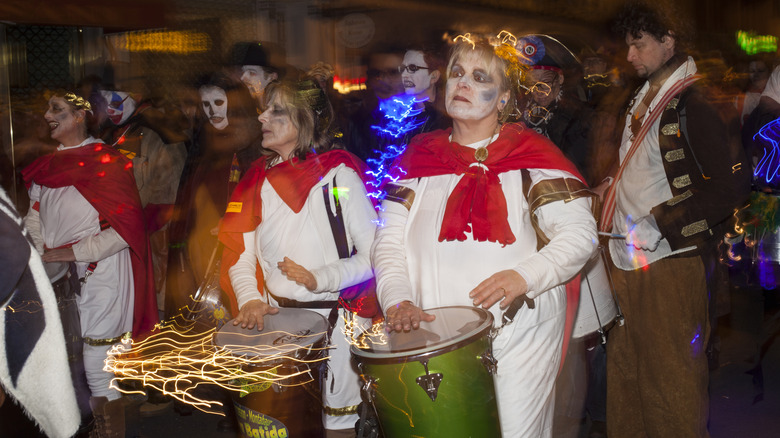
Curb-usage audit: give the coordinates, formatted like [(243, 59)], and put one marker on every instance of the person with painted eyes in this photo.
[(548, 108), (279, 220), (157, 167), (226, 142), (261, 63), (458, 230), (86, 213)]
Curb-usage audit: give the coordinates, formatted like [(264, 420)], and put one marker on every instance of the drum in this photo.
[(436, 380), (597, 308), (285, 400)]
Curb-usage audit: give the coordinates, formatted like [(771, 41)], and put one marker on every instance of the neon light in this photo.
[(399, 117), (752, 43), (768, 166)]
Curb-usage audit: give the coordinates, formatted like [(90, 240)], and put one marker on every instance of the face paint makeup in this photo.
[(120, 106), (473, 89), (214, 102), (279, 133), (256, 79), (63, 122), (416, 83)]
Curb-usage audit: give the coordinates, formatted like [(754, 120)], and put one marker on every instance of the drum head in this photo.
[(297, 333), (452, 326)]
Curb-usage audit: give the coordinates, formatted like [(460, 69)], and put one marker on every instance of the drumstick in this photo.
[(616, 236)]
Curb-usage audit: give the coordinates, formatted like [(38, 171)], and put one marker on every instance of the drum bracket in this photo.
[(430, 382), (490, 362)]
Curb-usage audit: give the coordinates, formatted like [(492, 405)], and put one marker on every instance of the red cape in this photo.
[(477, 203), (516, 147), (293, 181), (104, 177)]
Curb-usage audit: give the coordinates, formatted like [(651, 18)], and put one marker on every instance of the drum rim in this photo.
[(318, 344), (417, 354)]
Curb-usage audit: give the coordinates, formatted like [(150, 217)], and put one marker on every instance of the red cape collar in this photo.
[(477, 203), (292, 180), (104, 177)]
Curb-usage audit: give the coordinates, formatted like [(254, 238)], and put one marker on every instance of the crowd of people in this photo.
[(516, 159)]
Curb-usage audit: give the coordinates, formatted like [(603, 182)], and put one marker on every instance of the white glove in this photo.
[(644, 233)]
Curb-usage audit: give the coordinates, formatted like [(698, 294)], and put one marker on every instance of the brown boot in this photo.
[(109, 418)]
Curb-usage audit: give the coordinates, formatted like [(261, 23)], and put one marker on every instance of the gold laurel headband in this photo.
[(78, 101)]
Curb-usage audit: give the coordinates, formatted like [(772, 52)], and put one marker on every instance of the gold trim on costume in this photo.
[(696, 227), (679, 198), (675, 155), (340, 412), (672, 103), (559, 189), (681, 181), (736, 168), (109, 341), (400, 194), (670, 129)]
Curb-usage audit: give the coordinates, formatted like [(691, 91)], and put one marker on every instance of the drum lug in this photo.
[(369, 388), (490, 362), (430, 382)]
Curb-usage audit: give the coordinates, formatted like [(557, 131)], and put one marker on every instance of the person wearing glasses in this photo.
[(548, 108), (420, 74)]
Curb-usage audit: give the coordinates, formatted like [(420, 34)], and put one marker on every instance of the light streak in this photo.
[(361, 338), (178, 359), (399, 117)]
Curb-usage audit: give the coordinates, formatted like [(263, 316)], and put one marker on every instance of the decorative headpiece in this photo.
[(78, 101), (543, 52)]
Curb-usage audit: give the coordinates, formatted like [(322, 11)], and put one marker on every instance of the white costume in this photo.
[(106, 301), (411, 264), (307, 239)]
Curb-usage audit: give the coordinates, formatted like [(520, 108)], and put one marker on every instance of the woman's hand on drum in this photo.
[(297, 273), (405, 316), (251, 314), (503, 286), (59, 255)]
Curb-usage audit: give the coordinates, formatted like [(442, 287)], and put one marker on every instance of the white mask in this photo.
[(120, 106), (215, 103)]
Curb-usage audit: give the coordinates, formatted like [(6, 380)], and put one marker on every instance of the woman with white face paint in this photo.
[(459, 230), (421, 71), (86, 212), (293, 187)]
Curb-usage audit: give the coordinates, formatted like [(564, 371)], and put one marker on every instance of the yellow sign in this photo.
[(234, 207)]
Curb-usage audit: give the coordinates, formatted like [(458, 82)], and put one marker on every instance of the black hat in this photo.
[(266, 55), (545, 52)]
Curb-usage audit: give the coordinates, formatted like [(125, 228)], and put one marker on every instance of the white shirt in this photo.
[(643, 184)]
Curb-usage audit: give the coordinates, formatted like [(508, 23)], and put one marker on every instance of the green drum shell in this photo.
[(465, 404)]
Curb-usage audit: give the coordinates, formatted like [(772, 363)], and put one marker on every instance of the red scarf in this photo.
[(293, 181), (104, 177), (478, 198)]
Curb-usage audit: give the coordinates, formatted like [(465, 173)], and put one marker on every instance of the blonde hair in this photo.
[(495, 52)]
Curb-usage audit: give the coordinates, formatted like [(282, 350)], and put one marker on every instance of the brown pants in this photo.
[(657, 373)]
